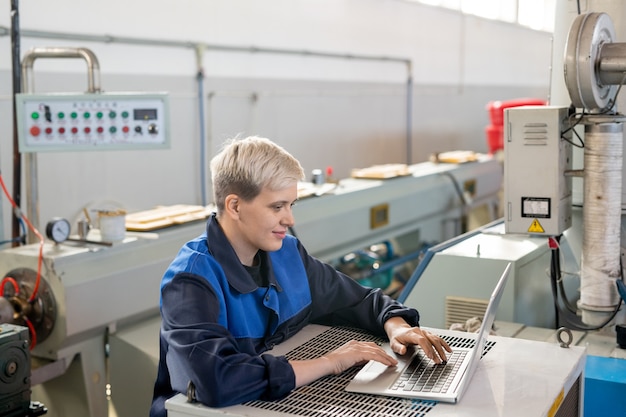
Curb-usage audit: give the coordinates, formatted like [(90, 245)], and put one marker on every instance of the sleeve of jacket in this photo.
[(224, 371), (340, 300)]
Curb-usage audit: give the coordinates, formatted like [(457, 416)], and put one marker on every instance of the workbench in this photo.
[(516, 378)]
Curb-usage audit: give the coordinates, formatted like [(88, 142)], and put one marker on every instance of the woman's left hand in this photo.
[(402, 335)]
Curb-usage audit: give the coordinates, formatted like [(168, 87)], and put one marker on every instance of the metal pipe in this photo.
[(612, 63), (196, 44), (93, 67), (93, 75), (245, 49)]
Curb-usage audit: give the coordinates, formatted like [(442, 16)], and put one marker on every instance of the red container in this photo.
[(496, 108), (494, 132), (495, 138)]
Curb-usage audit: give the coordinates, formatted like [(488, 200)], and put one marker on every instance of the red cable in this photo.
[(33, 334), (36, 232), (13, 282), (553, 243)]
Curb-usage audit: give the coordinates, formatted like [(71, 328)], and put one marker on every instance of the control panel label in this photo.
[(536, 207)]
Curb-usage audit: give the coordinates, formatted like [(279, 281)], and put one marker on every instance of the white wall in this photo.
[(445, 46), (326, 111)]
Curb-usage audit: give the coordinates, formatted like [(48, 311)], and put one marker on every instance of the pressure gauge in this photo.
[(58, 229)]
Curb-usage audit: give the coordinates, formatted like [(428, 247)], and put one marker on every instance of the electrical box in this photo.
[(538, 153), (92, 122)]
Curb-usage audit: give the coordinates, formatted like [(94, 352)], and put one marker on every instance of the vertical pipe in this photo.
[(203, 156), (600, 260), (17, 85), (409, 114)]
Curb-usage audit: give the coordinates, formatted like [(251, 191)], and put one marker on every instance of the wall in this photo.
[(328, 111)]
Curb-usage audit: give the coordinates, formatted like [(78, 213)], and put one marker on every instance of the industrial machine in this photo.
[(562, 226), (82, 293), (544, 214), (70, 292)]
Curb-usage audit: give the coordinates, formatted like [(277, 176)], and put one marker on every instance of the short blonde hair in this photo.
[(245, 166)]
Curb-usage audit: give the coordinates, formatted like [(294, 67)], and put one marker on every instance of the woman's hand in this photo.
[(402, 335), (357, 353), (335, 362)]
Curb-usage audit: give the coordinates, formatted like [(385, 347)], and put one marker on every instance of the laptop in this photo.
[(418, 377)]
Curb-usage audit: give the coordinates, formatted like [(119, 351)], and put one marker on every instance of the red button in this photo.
[(61, 130), (35, 131), (74, 130), (48, 130), (100, 129), (87, 129), (125, 129)]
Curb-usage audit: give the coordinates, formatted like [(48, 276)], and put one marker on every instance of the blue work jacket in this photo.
[(217, 322)]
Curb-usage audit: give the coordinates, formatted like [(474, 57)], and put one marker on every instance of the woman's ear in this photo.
[(231, 205)]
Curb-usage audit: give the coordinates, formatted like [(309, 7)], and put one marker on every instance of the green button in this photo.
[(34, 115), (124, 114), (113, 129), (99, 115), (86, 115), (61, 115), (73, 115), (112, 114)]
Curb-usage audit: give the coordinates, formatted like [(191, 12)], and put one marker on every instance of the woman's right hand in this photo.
[(335, 362)]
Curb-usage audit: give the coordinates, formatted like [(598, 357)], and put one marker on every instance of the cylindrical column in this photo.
[(600, 261)]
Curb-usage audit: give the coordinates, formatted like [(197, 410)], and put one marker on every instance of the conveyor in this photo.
[(432, 201)]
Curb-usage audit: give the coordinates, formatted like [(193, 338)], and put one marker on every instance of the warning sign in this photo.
[(535, 227)]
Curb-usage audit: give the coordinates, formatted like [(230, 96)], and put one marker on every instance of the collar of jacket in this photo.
[(223, 252)]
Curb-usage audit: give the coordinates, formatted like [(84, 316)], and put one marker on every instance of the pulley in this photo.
[(594, 64)]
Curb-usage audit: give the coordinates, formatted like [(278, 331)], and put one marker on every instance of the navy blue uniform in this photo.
[(217, 322)]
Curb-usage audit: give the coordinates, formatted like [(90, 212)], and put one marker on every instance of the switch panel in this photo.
[(91, 122)]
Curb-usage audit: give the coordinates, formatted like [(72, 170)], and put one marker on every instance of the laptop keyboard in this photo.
[(424, 375)]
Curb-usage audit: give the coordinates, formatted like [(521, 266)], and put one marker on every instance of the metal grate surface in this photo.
[(327, 396)]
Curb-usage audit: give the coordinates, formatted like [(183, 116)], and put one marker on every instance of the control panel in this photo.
[(91, 122)]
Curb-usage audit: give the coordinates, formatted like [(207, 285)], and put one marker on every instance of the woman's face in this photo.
[(263, 222)]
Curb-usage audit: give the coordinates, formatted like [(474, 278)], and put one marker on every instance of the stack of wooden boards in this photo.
[(165, 216)]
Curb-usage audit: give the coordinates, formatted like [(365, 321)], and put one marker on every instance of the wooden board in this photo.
[(455, 157), (165, 216), (381, 171)]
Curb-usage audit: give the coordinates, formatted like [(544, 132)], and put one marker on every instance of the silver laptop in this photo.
[(418, 377)]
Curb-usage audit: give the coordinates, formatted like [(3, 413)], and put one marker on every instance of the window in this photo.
[(535, 14)]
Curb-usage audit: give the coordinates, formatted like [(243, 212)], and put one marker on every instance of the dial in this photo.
[(58, 229)]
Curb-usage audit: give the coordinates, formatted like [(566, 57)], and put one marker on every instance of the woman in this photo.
[(246, 285)]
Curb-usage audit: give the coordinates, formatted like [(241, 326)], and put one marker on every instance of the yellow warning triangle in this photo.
[(535, 227)]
